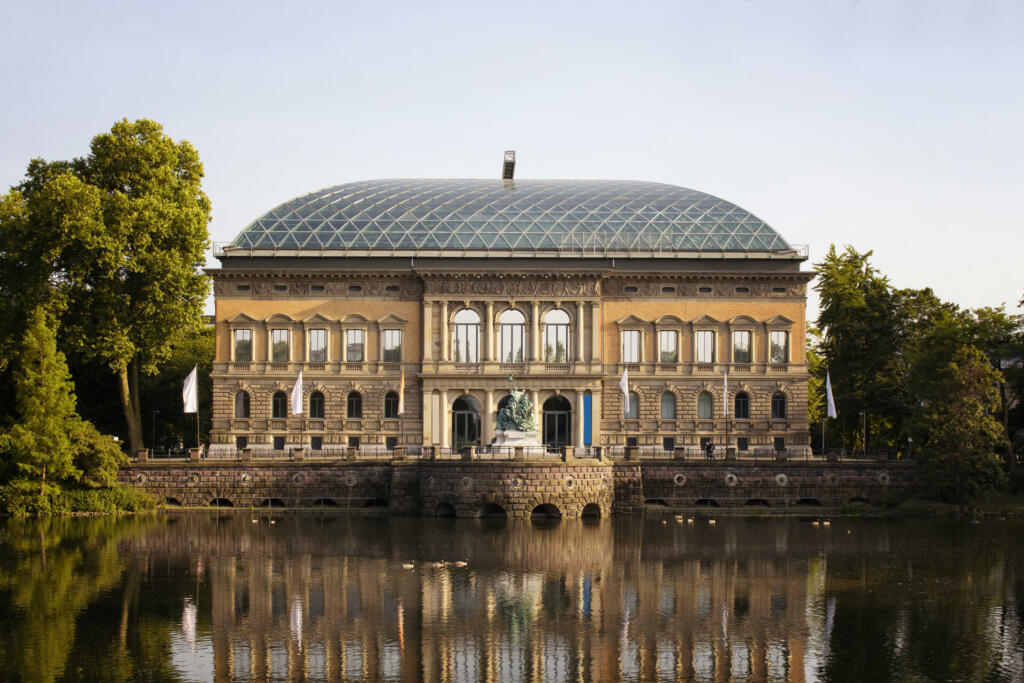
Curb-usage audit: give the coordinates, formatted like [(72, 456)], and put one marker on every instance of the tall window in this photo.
[(512, 337), (668, 346), (317, 346), (242, 404), (778, 406), (705, 406), (631, 346), (668, 406), (316, 405), (354, 346), (279, 405), (741, 346), (705, 346), (392, 346), (279, 346), (556, 336), (778, 351), (633, 409), (243, 346), (466, 337), (354, 405), (741, 406), (391, 404)]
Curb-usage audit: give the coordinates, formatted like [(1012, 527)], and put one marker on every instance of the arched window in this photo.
[(668, 406), (633, 409), (741, 406), (391, 404), (705, 406), (778, 405), (242, 404), (279, 405), (466, 339), (556, 336), (316, 405), (354, 405), (512, 337)]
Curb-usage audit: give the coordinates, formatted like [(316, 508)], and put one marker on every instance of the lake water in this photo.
[(229, 597)]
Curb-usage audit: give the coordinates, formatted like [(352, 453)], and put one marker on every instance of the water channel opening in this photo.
[(493, 511), (809, 502), (706, 503), (273, 503), (375, 503), (547, 511), (445, 510), (859, 499), (656, 501), (221, 503), (758, 502), (325, 503), (591, 511), (172, 501)]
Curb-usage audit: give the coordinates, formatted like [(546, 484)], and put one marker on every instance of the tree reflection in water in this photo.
[(194, 596)]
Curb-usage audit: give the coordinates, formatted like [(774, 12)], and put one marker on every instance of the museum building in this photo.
[(451, 292)]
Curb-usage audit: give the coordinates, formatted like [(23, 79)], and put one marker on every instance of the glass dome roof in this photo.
[(590, 217)]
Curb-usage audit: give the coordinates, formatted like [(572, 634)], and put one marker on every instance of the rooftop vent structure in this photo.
[(508, 169)]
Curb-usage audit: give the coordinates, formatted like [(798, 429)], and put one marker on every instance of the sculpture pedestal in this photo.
[(511, 438)]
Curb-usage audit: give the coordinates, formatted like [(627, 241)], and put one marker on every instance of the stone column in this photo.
[(427, 418), (446, 422), (535, 332), (580, 317), (489, 332), (444, 330), (595, 330), (577, 423), (428, 323), (487, 419), (595, 416)]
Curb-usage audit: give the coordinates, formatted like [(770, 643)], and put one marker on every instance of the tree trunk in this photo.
[(133, 389), (130, 416)]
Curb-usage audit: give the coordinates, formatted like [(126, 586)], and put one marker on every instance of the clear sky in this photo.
[(888, 125)]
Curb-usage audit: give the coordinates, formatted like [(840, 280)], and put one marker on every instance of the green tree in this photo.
[(162, 391), (113, 243), (39, 443)]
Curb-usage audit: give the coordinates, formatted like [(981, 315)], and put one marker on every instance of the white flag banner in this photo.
[(828, 395), (297, 396), (190, 393), (401, 394), (725, 393), (624, 385)]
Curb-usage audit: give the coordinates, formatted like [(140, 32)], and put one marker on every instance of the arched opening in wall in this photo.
[(446, 510), (591, 511), (706, 503), (660, 502), (272, 503), (859, 499), (172, 501), (809, 502), (325, 503), (546, 511), (758, 502), (557, 422), (221, 503), (465, 422), (375, 503), (493, 511)]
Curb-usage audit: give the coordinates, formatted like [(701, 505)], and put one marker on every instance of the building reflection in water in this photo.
[(569, 602)]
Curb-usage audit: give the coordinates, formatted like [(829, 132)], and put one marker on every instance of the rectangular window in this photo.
[(742, 443), (278, 443), (705, 346), (631, 346), (279, 346), (241, 442), (243, 346), (354, 346), (390, 442), (668, 443), (741, 346), (353, 442), (318, 346), (779, 347), (316, 443), (556, 343), (668, 346), (513, 337), (392, 346)]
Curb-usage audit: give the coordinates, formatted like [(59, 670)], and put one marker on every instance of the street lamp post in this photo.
[(910, 447), (153, 442)]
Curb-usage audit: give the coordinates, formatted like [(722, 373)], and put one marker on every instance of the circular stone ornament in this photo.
[(350, 479), (140, 478), (247, 479), (466, 482), (517, 482), (781, 479), (833, 479), (298, 477), (570, 482), (731, 479), (679, 479), (194, 477), (883, 478)]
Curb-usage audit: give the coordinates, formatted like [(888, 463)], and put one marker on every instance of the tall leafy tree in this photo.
[(115, 242)]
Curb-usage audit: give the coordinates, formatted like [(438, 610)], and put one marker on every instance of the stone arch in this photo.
[(668, 319), (591, 511), (493, 510), (546, 510), (280, 318), (444, 509), (568, 307), (354, 318), (221, 502)]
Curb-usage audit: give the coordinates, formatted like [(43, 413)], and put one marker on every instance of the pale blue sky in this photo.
[(893, 126)]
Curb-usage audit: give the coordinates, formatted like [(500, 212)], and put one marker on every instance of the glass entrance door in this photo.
[(557, 422), (465, 422)]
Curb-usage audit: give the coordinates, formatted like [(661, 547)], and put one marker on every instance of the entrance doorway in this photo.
[(465, 422), (557, 422)]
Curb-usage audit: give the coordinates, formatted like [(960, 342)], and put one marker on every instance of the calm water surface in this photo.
[(215, 597)]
